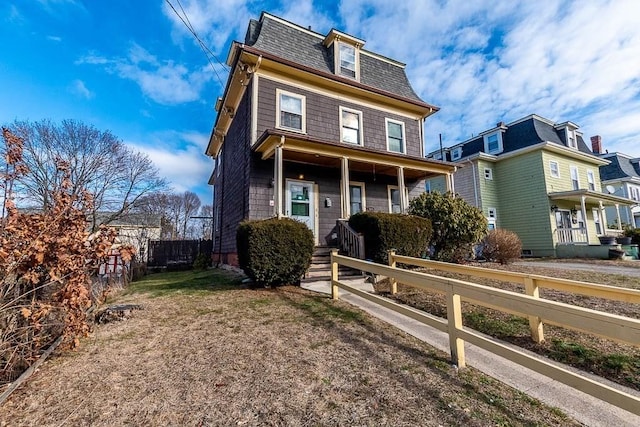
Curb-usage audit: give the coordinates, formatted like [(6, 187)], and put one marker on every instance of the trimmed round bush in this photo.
[(274, 251), (408, 235), (501, 246)]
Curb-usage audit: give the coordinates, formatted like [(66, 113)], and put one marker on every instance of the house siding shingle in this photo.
[(323, 117)]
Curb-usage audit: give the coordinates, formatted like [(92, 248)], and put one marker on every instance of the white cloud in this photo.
[(78, 88), (182, 163), (54, 38), (483, 62), (164, 81)]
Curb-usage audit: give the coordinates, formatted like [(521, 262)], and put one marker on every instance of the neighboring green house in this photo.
[(620, 177), (538, 179)]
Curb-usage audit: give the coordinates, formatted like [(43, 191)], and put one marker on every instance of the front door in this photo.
[(563, 222), (301, 202)]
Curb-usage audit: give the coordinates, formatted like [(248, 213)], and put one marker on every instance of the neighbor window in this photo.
[(456, 153), (395, 136), (574, 178), (291, 108), (350, 126), (571, 138), (493, 143), (488, 174), (591, 181), (635, 193), (356, 195), (553, 167), (347, 60), (596, 220)]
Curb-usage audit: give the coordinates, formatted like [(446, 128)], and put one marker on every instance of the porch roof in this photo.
[(590, 195), (305, 149)]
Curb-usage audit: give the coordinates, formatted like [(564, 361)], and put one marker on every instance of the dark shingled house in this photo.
[(314, 127), (622, 178)]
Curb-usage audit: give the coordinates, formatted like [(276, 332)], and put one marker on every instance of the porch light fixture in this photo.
[(554, 208)]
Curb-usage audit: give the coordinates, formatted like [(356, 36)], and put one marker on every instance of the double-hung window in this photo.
[(394, 199), (456, 153), (395, 136), (554, 169), (350, 126), (575, 182), (493, 143), (291, 111), (347, 60), (591, 180), (488, 174)]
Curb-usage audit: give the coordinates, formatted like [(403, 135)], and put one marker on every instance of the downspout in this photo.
[(221, 216)]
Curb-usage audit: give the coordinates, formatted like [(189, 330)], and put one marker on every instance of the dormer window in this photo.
[(347, 60), (456, 153), (572, 142), (493, 143), (346, 52)]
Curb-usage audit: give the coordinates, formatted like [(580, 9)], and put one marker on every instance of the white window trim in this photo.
[(486, 143), (360, 133), (571, 169), (404, 135), (303, 98), (492, 213), (557, 173), (456, 153), (362, 192), (336, 62), (488, 174), (591, 180)]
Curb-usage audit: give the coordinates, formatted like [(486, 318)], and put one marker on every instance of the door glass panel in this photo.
[(299, 208), (299, 192)]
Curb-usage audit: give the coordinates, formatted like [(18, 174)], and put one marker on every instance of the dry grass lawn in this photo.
[(205, 351)]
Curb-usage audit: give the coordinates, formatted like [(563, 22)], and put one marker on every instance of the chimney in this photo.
[(596, 144)]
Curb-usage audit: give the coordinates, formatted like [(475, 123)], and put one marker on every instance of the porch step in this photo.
[(320, 268)]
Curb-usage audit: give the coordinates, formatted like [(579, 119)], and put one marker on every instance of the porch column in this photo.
[(618, 216), (346, 197), (447, 183), (401, 189), (584, 216), (277, 178)]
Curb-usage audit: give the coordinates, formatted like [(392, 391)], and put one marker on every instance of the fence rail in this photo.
[(163, 252), (611, 326)]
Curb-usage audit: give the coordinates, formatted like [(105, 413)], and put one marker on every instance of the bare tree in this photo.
[(176, 210), (100, 163)]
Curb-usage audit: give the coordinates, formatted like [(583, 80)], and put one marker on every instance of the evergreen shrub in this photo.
[(408, 235), (274, 251)]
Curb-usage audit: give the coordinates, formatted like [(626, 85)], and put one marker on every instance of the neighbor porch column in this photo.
[(346, 197), (603, 217), (277, 178), (583, 207), (404, 204), (618, 216)]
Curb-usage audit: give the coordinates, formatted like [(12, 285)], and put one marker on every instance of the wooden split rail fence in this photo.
[(538, 310)]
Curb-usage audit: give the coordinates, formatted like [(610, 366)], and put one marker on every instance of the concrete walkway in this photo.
[(610, 269), (579, 406)]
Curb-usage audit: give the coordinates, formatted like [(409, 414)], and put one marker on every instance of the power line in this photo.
[(203, 46)]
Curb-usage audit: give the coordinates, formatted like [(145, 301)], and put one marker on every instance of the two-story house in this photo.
[(538, 179), (620, 177), (314, 127)]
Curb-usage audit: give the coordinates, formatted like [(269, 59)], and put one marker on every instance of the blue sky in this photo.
[(131, 66)]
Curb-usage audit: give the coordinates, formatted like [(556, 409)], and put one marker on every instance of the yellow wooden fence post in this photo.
[(454, 323), (535, 323), (334, 274), (392, 263)]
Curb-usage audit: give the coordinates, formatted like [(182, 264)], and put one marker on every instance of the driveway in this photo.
[(561, 265)]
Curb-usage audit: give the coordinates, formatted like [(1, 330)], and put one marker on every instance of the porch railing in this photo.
[(351, 242), (569, 236)]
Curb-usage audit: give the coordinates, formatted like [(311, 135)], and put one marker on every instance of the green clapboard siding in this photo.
[(524, 205), (489, 190)]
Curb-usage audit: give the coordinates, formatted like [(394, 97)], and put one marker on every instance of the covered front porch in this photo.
[(580, 224), (342, 178)]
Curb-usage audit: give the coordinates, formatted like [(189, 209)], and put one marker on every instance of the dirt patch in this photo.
[(220, 355)]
